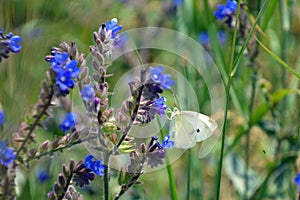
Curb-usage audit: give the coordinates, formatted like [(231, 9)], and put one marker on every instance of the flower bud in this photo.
[(62, 180), (57, 189), (44, 146), (65, 170), (72, 165)]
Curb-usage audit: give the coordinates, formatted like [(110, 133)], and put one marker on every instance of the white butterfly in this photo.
[(189, 127)]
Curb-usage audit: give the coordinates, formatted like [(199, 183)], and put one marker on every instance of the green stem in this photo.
[(79, 141), (188, 184), (106, 176), (172, 184), (254, 80), (278, 59), (228, 86)]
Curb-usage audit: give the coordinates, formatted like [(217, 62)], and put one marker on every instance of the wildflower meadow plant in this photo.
[(9, 43), (68, 70)]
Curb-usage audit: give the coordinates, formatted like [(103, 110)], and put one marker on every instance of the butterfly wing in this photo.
[(182, 132), (202, 125)]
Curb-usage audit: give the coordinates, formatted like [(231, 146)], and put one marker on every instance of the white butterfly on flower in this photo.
[(189, 127)]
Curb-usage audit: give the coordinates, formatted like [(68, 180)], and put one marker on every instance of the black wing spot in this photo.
[(198, 130)]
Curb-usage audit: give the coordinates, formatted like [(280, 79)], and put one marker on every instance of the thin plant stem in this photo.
[(106, 176), (34, 125), (228, 86), (138, 99), (172, 184), (278, 59), (244, 46), (134, 114), (252, 98), (188, 180), (50, 152), (285, 26)]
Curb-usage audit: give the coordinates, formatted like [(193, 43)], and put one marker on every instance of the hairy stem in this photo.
[(79, 141), (33, 126), (133, 117)]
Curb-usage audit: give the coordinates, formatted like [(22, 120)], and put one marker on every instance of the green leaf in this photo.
[(124, 177), (25, 191), (259, 113), (261, 191), (235, 168), (270, 12)]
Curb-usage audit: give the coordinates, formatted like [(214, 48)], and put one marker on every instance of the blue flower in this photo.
[(297, 180), (68, 122), (72, 67), (7, 155), (2, 117), (162, 79), (222, 37), (9, 43), (156, 74), (204, 38), (113, 26), (167, 143), (64, 80), (14, 45), (232, 5), (158, 106), (42, 175), (94, 166), (64, 70), (177, 2), (88, 93), (226, 11), (58, 61)]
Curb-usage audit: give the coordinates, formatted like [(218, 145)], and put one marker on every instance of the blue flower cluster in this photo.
[(94, 166), (152, 102), (65, 71), (68, 122), (9, 43), (113, 27), (166, 143), (158, 106), (7, 155), (156, 151), (226, 11), (164, 80)]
